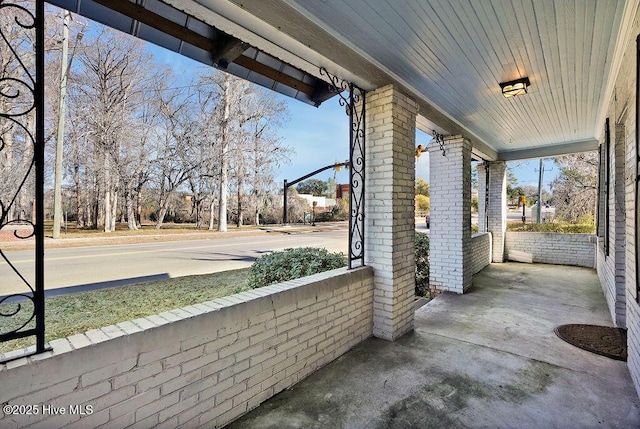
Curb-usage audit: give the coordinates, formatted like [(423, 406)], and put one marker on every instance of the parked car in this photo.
[(323, 217)]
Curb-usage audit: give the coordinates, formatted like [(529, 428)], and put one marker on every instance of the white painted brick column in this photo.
[(450, 240), (497, 210), (619, 250), (389, 209), (482, 197)]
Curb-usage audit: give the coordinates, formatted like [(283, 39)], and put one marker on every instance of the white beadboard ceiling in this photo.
[(451, 55), (455, 53)]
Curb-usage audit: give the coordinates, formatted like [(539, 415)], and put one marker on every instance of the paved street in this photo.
[(102, 266), (110, 265)]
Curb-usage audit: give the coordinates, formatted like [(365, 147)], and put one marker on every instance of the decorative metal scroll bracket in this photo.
[(352, 98), (439, 138), (22, 96)]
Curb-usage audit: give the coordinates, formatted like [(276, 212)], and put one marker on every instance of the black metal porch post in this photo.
[(23, 110), (39, 163)]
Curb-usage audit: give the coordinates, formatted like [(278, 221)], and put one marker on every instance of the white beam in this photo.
[(549, 151)]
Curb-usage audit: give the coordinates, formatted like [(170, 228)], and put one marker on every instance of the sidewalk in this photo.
[(93, 238)]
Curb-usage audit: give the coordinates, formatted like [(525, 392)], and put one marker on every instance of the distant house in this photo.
[(323, 204), (342, 191)]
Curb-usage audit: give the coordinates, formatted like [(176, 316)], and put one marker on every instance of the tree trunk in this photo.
[(138, 189), (239, 223), (161, 214), (110, 196), (138, 210), (26, 196), (76, 182), (211, 212), (131, 212), (224, 161), (7, 170), (198, 201), (107, 212)]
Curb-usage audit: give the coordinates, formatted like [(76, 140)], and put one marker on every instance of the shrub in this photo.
[(422, 264), (291, 264), (341, 210), (423, 203), (567, 228)]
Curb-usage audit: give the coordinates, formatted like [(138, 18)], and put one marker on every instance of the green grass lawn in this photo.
[(79, 312)]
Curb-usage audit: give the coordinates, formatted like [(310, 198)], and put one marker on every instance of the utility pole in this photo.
[(64, 73), (57, 194), (540, 176)]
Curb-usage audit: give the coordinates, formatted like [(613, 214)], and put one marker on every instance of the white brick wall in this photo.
[(497, 210), (607, 282), (450, 238), (480, 251), (390, 221), (633, 340), (554, 248), (202, 365), (611, 267), (632, 308), (620, 223), (482, 197), (625, 89), (617, 271)]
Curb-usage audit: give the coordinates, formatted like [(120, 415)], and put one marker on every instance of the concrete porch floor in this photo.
[(486, 359)]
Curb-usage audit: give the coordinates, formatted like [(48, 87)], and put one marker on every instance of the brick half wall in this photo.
[(481, 251), (554, 248), (202, 365)]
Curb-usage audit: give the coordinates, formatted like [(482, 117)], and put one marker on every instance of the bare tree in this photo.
[(267, 151), (174, 162), (249, 146), (296, 206), (112, 77), (17, 132), (575, 188), (130, 133), (227, 88), (135, 160)]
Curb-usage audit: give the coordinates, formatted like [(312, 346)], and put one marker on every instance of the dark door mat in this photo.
[(602, 340), (421, 302)]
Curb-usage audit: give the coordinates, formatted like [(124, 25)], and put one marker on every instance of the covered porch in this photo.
[(483, 356), (488, 358)]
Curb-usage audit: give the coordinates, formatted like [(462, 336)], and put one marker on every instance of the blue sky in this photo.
[(319, 136)]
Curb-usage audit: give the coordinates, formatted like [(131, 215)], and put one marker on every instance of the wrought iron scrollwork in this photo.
[(22, 137), (352, 98), (439, 138)]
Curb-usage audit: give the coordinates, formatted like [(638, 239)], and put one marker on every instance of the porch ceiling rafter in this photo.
[(214, 47)]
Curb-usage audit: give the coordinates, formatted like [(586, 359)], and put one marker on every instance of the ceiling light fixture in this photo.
[(515, 87)]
